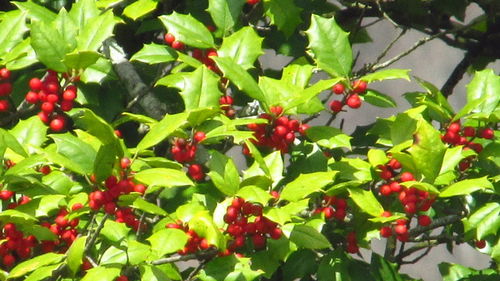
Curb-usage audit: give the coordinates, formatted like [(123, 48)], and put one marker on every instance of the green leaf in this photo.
[(80, 59), (163, 177), (383, 270), (36, 12), (114, 231), (486, 220), (162, 130), (83, 11), (75, 254), (386, 74), (114, 256), (366, 201), (300, 264), (152, 273), (49, 46), (308, 237), (485, 86), (377, 157), (93, 124), (67, 28), (42, 273), (12, 29), (255, 194), (240, 77), (154, 53), (225, 14), (328, 137), (306, 184), (16, 217), (140, 8), (427, 150), (310, 93), (167, 241), (104, 162), (30, 132), (98, 72), (298, 72), (224, 173), (243, 46), (284, 14), (378, 99), (353, 169), (199, 88), (205, 227), (73, 148), (188, 30), (102, 273), (137, 252), (329, 45), (147, 207), (466, 187), (21, 56), (96, 31), (34, 263), (11, 142)]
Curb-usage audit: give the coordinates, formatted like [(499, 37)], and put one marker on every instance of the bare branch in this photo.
[(196, 256)]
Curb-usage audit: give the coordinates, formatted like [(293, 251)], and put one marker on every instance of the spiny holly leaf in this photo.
[(378, 99), (49, 46), (224, 173), (366, 201), (386, 75), (225, 14), (96, 31), (199, 88), (34, 263), (83, 12), (243, 47), (328, 137), (485, 86), (80, 59), (36, 12), (284, 14), (140, 8), (188, 30), (466, 187), (162, 130), (329, 46), (167, 241), (30, 132), (12, 29), (486, 220), (306, 184), (76, 151), (155, 53)]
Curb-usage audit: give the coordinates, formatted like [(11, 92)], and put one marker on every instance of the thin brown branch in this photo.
[(196, 256), (435, 224)]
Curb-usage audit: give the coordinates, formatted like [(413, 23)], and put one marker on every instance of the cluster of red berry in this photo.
[(114, 188), (52, 98), (278, 133), (5, 89), (456, 135), (350, 97), (226, 104), (239, 227), (332, 207), (15, 246), (6, 195), (64, 229), (205, 56), (184, 151), (412, 199), (195, 242)]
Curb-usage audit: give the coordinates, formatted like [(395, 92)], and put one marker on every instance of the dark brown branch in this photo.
[(435, 224), (196, 256), (457, 74)]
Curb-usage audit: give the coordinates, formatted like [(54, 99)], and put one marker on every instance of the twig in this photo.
[(200, 255), (388, 47), (193, 273), (435, 224), (386, 16), (93, 238), (413, 250), (390, 248)]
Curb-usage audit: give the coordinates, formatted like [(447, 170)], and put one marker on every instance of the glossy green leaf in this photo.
[(485, 220), (366, 201), (9, 141), (255, 194), (12, 29), (205, 227), (76, 150), (113, 256), (114, 231), (306, 184), (377, 157), (298, 73), (427, 150), (224, 173), (21, 56), (225, 14), (353, 169), (96, 31), (81, 59), (329, 45), (154, 53), (74, 255), (152, 273), (378, 99), (30, 132), (308, 237), (162, 130), (188, 30), (49, 46), (140, 8), (383, 270), (163, 177), (284, 14), (485, 86), (36, 12), (328, 137), (240, 77), (386, 74), (243, 47), (67, 28), (102, 273), (466, 187), (34, 263), (199, 88), (167, 241), (104, 162), (147, 207), (137, 252), (42, 273), (83, 12), (300, 264)]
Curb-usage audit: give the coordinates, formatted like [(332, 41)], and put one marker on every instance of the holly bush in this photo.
[(137, 135)]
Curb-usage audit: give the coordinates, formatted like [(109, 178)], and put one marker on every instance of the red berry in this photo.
[(359, 86), (469, 131), (122, 278), (204, 244), (407, 176), (5, 89), (338, 88), (169, 38), (47, 107), (424, 220), (328, 212), (386, 231), (257, 210), (32, 97), (69, 95), (259, 241), (386, 214), (57, 124), (196, 172), (226, 100), (140, 188), (252, 2), (454, 127), (385, 174), (35, 84), (76, 206), (199, 136), (4, 105), (177, 45), (303, 128), (276, 233), (6, 194), (487, 133), (4, 73), (66, 105), (385, 190), (336, 106), (280, 131), (401, 229), (480, 244), (276, 110), (8, 260), (353, 101), (125, 163), (45, 170), (394, 164)]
